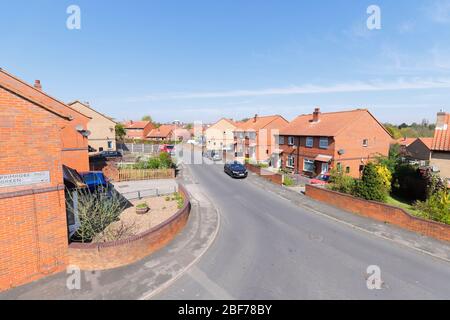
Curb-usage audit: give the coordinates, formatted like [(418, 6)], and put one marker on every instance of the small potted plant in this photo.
[(142, 208)]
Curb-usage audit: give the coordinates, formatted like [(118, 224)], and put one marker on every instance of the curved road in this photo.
[(268, 248)]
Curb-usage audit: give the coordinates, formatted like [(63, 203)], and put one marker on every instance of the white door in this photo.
[(325, 167)]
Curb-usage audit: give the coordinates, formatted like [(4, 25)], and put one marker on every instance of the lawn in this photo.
[(404, 204)]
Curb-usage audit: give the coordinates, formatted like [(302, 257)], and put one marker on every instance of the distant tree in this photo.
[(147, 118), (120, 132), (403, 125), (189, 126)]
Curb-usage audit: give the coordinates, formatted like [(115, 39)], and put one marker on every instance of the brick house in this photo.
[(416, 149), (255, 138), (101, 127), (219, 136), (138, 129), (39, 134), (316, 143), (165, 132), (440, 148)]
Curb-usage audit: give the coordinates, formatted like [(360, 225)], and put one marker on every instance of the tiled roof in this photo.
[(136, 124), (441, 140), (71, 104), (257, 123), (406, 141), (38, 97), (162, 132), (427, 141), (329, 124)]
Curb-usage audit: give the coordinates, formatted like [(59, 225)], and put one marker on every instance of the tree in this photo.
[(189, 126), (147, 118), (120, 132), (373, 184)]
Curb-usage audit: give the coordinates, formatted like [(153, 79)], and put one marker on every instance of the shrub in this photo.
[(385, 175), (372, 186), (165, 161), (288, 181), (436, 207), (142, 205), (341, 182), (96, 211)]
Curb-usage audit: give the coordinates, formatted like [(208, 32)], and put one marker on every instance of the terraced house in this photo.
[(315, 143), (138, 130)]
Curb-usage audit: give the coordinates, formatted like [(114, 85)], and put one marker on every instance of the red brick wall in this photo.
[(33, 230), (120, 253), (74, 146), (268, 175), (380, 212)]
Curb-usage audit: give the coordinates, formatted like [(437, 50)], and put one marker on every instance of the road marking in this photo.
[(148, 295), (210, 286)]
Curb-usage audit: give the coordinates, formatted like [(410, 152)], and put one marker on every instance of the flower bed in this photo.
[(108, 255)]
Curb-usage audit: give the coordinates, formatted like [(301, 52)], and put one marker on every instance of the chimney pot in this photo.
[(440, 119), (255, 118), (37, 84)]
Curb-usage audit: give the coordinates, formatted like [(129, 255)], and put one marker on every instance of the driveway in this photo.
[(269, 248), (145, 188)]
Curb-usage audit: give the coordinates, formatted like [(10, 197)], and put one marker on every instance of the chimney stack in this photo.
[(255, 118), (440, 119), (316, 115), (37, 85)]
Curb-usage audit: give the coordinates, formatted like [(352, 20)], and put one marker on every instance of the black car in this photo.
[(110, 154), (235, 170)]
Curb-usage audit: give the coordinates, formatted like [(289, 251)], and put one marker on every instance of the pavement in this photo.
[(277, 244), (143, 279)]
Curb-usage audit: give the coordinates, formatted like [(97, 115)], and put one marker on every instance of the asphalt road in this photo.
[(268, 248)]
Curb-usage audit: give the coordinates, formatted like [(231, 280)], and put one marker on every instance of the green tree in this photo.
[(372, 186), (147, 118), (120, 132), (341, 182)]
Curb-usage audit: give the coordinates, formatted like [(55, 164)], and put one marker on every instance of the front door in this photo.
[(325, 167)]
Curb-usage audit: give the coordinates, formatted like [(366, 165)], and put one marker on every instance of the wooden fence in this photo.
[(145, 174)]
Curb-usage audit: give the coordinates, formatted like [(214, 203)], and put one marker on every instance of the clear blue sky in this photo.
[(200, 60)]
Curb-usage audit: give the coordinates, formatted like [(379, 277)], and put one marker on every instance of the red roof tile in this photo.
[(441, 140), (257, 123), (162, 132), (329, 124), (136, 124)]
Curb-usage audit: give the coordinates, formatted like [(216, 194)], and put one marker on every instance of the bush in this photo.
[(288, 181), (341, 182), (372, 186), (163, 161), (436, 207), (96, 211)]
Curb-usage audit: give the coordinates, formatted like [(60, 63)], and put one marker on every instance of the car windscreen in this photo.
[(237, 167)]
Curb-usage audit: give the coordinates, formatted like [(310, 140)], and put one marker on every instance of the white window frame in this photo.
[(309, 139), (291, 141), (310, 162), (322, 139), (365, 143), (280, 140), (288, 162)]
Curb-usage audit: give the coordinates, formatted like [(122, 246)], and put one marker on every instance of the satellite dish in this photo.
[(79, 127), (86, 133), (341, 152)]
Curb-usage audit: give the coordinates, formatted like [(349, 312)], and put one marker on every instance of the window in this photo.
[(290, 162), (110, 145), (339, 167), (100, 149), (252, 135), (291, 141), (308, 165), (280, 140), (323, 143), (347, 170), (365, 142), (309, 142)]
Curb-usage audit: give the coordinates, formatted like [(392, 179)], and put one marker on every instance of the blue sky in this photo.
[(201, 60)]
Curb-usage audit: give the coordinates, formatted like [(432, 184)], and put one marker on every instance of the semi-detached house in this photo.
[(38, 135), (440, 148), (316, 143)]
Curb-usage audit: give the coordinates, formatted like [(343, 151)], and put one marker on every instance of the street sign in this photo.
[(24, 179)]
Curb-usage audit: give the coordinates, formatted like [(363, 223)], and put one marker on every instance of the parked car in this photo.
[(111, 154), (95, 180), (192, 142), (217, 157), (235, 169), (166, 148), (321, 179)]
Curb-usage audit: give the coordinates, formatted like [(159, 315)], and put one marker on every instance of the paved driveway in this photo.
[(145, 188), (269, 248)]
